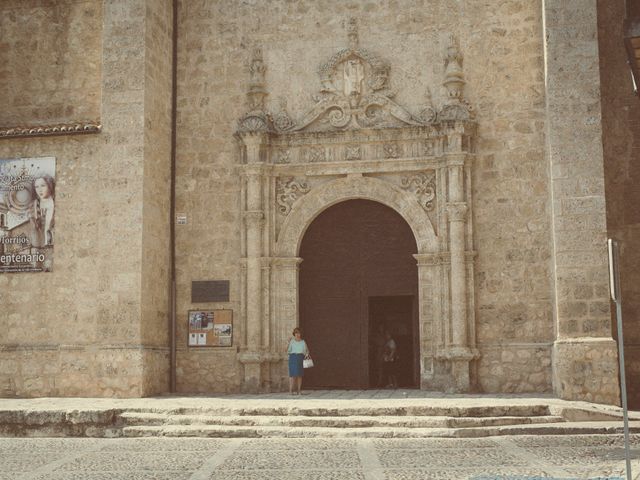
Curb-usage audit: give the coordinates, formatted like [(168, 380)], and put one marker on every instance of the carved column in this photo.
[(285, 273), (459, 353), (429, 309), (251, 356)]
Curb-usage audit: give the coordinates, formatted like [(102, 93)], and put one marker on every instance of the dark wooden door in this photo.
[(396, 315), (352, 251)]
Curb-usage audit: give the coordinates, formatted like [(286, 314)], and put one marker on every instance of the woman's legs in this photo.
[(299, 382), (291, 382)]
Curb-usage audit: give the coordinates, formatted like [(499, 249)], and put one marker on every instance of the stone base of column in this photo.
[(456, 362), (252, 380), (586, 369)]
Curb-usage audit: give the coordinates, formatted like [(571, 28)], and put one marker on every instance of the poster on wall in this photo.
[(27, 214), (210, 328)]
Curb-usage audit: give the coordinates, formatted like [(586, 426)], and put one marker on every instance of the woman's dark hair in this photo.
[(297, 330)]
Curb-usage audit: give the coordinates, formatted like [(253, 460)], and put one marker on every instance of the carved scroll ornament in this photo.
[(288, 190), (423, 185), (355, 94)]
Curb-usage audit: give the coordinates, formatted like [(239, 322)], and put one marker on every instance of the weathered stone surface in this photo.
[(52, 76), (621, 134), (510, 217), (515, 457), (101, 326)]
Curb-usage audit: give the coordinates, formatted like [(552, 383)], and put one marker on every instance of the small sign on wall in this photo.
[(210, 328), (206, 291)]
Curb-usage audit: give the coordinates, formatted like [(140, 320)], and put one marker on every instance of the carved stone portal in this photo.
[(357, 142)]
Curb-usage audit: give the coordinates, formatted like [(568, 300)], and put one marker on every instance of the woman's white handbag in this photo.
[(307, 363)]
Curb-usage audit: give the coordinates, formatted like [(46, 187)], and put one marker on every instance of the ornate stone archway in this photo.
[(356, 142), (348, 188)]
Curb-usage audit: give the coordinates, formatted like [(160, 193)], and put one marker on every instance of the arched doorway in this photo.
[(358, 277)]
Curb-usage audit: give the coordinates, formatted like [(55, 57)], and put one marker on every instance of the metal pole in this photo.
[(614, 283)]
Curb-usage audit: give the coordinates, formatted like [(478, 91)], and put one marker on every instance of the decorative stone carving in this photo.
[(282, 121), (355, 94), (428, 148), (354, 91), (288, 190), (315, 154), (257, 119), (456, 107), (257, 91), (357, 142), (50, 130), (457, 211), (391, 150), (353, 152), (255, 122), (423, 185), (283, 156), (428, 114)]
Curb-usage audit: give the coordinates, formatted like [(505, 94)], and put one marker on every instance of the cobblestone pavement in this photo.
[(582, 457)]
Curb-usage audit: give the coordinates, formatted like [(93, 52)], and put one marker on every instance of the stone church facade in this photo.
[(492, 134)]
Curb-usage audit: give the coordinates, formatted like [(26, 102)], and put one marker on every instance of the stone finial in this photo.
[(282, 121), (455, 108), (428, 114), (257, 91), (352, 32), (257, 119), (453, 76)]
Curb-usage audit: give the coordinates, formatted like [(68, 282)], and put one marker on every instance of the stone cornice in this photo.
[(372, 135), (50, 130)]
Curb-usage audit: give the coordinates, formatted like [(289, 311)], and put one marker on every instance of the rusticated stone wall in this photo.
[(621, 142), (50, 62), (584, 353), (97, 325), (504, 70), (94, 326), (154, 327)]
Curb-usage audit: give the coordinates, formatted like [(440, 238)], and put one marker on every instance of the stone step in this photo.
[(345, 411), (226, 431), (356, 421)]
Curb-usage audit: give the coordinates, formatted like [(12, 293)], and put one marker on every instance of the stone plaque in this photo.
[(210, 291)]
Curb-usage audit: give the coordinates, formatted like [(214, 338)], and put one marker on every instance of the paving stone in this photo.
[(569, 457), (168, 444), (303, 474), (410, 443), (574, 455), (119, 475), (458, 474), (135, 460), (299, 444), (254, 460), (574, 440), (449, 458), (27, 461), (52, 444)]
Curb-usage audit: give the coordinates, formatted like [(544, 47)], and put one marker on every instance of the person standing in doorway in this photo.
[(297, 351), (379, 351), (389, 358)]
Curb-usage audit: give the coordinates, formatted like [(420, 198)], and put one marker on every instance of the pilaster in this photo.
[(584, 353)]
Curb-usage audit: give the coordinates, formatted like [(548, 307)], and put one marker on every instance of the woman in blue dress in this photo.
[(297, 351)]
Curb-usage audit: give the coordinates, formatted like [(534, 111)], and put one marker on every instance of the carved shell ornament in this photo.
[(354, 93)]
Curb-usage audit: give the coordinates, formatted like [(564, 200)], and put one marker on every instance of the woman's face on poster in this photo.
[(42, 189)]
